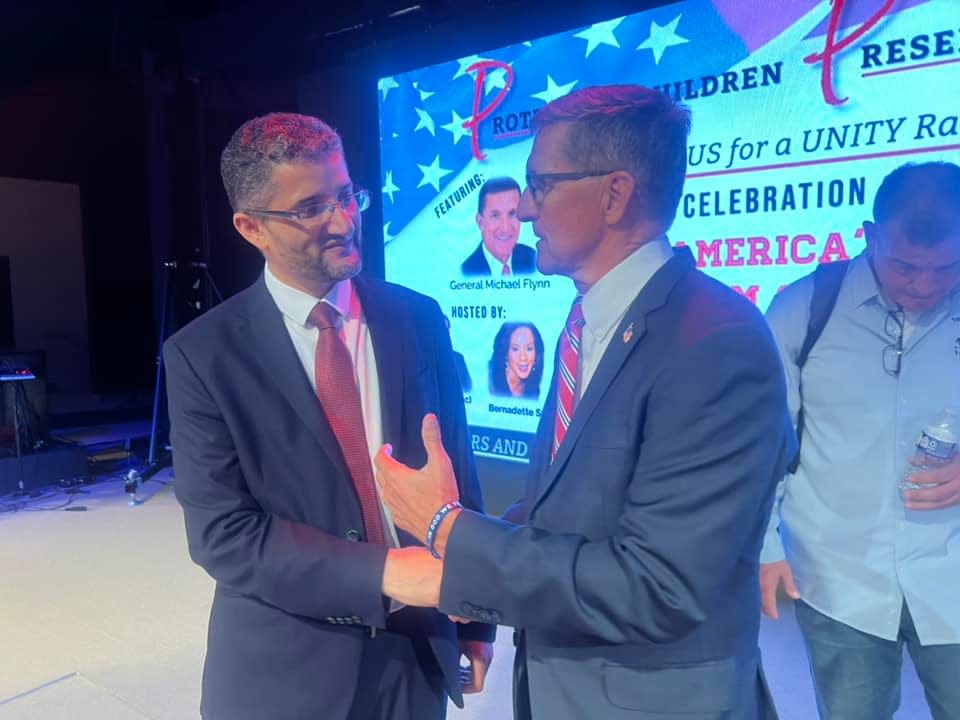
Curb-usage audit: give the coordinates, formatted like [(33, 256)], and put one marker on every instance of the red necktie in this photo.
[(506, 270), (567, 373), (340, 399)]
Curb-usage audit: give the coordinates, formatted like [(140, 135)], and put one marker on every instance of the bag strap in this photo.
[(827, 280)]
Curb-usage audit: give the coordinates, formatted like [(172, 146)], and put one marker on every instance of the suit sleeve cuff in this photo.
[(468, 587), (364, 575)]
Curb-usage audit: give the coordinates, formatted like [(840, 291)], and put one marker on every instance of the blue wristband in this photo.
[(435, 525)]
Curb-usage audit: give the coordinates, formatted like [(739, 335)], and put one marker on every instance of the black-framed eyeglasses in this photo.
[(539, 184), (893, 351), (358, 200)]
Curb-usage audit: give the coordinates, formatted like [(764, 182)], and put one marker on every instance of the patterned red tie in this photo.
[(567, 373), (340, 399)]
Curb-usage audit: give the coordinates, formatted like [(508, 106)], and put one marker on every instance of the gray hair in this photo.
[(248, 160), (628, 127)]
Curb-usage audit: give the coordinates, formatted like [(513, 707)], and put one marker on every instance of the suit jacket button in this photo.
[(353, 535)]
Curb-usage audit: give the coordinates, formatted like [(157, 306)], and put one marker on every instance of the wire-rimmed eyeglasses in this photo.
[(893, 351), (539, 184), (355, 201)]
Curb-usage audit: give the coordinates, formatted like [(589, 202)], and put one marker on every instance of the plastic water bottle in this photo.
[(936, 447)]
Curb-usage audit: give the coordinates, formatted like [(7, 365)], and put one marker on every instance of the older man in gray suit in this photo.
[(632, 576)]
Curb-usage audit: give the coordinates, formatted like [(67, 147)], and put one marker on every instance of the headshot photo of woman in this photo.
[(516, 365)]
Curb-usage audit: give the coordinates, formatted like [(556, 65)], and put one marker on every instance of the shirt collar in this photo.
[(606, 302), (496, 267), (297, 304), (862, 282)]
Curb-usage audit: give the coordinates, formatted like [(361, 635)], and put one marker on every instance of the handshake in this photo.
[(424, 503)]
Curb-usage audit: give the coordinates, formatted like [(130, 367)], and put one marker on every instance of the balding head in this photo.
[(914, 245), (923, 200)]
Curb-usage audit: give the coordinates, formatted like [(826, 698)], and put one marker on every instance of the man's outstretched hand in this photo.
[(415, 496)]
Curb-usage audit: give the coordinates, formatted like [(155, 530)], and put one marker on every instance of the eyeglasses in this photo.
[(539, 184), (355, 201), (893, 351)]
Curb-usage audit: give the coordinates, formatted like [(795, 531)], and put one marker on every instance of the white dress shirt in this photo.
[(496, 267), (296, 307), (605, 304)]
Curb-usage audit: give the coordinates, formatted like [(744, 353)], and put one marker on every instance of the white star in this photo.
[(553, 90), (497, 78), (527, 43), (662, 37), (600, 34), (426, 122), (388, 187), (424, 94), (465, 63), (455, 127), (385, 85), (387, 237), (432, 174)]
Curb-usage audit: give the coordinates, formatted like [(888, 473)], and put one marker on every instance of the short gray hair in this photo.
[(248, 160), (628, 127)]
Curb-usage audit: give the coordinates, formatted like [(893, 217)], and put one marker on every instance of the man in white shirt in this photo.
[(873, 569)]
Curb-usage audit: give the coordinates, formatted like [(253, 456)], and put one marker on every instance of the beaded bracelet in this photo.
[(435, 524)]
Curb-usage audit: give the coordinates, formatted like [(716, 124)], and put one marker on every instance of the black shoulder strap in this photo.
[(827, 279)]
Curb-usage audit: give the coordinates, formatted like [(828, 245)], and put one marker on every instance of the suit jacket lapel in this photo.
[(394, 356), (625, 339), (389, 348), (276, 353)]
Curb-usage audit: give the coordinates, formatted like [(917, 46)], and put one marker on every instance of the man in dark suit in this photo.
[(633, 576), (278, 398), (499, 253), (466, 383)]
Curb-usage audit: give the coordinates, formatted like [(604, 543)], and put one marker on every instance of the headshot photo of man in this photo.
[(498, 252)]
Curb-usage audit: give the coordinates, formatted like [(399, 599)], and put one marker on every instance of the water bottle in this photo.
[(936, 447)]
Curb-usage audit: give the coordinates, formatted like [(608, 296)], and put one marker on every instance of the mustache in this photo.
[(341, 240)]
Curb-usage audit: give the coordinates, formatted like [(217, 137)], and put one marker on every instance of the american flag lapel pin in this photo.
[(628, 334)]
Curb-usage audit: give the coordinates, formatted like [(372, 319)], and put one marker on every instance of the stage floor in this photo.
[(104, 617)]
